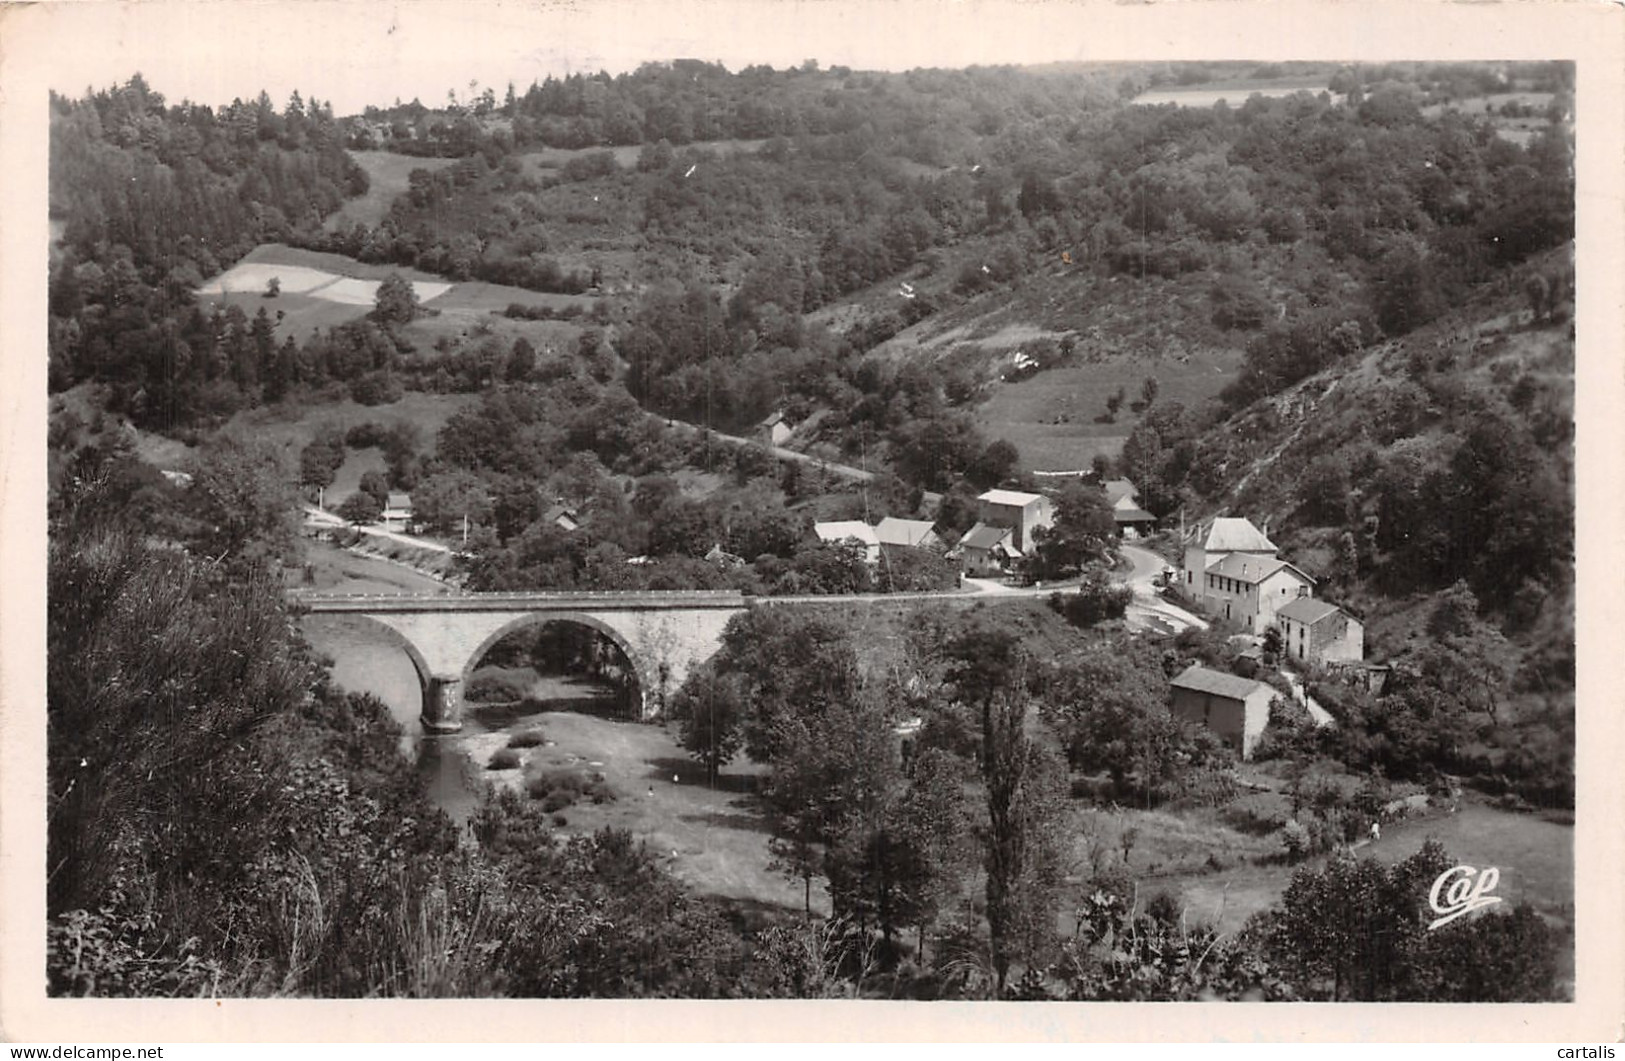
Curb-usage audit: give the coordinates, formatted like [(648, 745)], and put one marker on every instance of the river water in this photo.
[(366, 659)]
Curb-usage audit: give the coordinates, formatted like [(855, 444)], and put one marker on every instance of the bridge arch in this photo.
[(399, 640), (644, 672)]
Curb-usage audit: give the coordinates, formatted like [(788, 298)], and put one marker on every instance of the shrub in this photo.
[(530, 738), (504, 759)]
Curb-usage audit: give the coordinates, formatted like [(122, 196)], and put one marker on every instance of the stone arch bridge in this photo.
[(663, 634)]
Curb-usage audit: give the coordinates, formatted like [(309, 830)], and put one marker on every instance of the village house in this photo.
[(1232, 572), (397, 510), (1236, 709), (1123, 497), (1313, 631), (1021, 512), (845, 531), (987, 552), (897, 533)]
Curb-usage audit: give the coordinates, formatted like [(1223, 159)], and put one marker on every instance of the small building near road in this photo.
[(836, 532), (907, 533), (1313, 631), (397, 510), (1123, 497), (1235, 708), (987, 551), (1021, 512), (775, 430)]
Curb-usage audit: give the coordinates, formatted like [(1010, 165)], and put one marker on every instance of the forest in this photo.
[(1392, 275)]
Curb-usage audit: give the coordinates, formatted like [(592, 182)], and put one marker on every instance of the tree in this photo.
[(375, 484), (396, 301), (273, 287), (1084, 530), (1109, 704), (245, 500), (1469, 658), (521, 361), (711, 712), (1149, 389), (361, 507), (1024, 799)]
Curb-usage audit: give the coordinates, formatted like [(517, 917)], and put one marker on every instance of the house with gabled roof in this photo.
[(847, 531), (906, 533), (1233, 571), (1021, 512), (988, 551), (1236, 709), (1313, 631), (775, 430)]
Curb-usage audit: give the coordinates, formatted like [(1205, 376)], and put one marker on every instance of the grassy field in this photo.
[(1234, 92), (1051, 417), (1535, 858), (387, 173), (544, 161), (329, 568), (714, 839), (293, 427)]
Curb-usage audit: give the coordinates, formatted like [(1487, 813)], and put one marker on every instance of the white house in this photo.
[(397, 510), (1021, 512), (840, 531), (1233, 572)]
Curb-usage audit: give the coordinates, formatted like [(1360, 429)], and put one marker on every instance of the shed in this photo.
[(1235, 708)]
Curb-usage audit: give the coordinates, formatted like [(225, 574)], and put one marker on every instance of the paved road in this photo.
[(328, 519)]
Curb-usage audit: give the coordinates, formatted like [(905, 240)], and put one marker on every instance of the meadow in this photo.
[(387, 173), (1051, 417)]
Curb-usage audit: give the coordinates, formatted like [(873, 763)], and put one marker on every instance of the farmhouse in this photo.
[(1021, 512), (1313, 631), (1236, 709), (844, 531)]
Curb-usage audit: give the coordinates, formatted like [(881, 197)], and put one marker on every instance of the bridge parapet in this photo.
[(619, 600)]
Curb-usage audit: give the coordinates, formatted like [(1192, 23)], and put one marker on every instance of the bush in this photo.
[(504, 759), (530, 738), (490, 687), (561, 787)]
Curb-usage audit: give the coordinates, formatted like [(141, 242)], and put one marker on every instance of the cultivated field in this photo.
[(322, 290)]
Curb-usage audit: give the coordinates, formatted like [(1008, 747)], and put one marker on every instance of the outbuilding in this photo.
[(1235, 708)]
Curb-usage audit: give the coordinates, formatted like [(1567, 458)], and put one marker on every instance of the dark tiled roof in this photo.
[(1307, 610), (983, 536), (1254, 568), (1218, 683)]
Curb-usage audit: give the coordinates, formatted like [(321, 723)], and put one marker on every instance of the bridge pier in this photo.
[(443, 704)]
